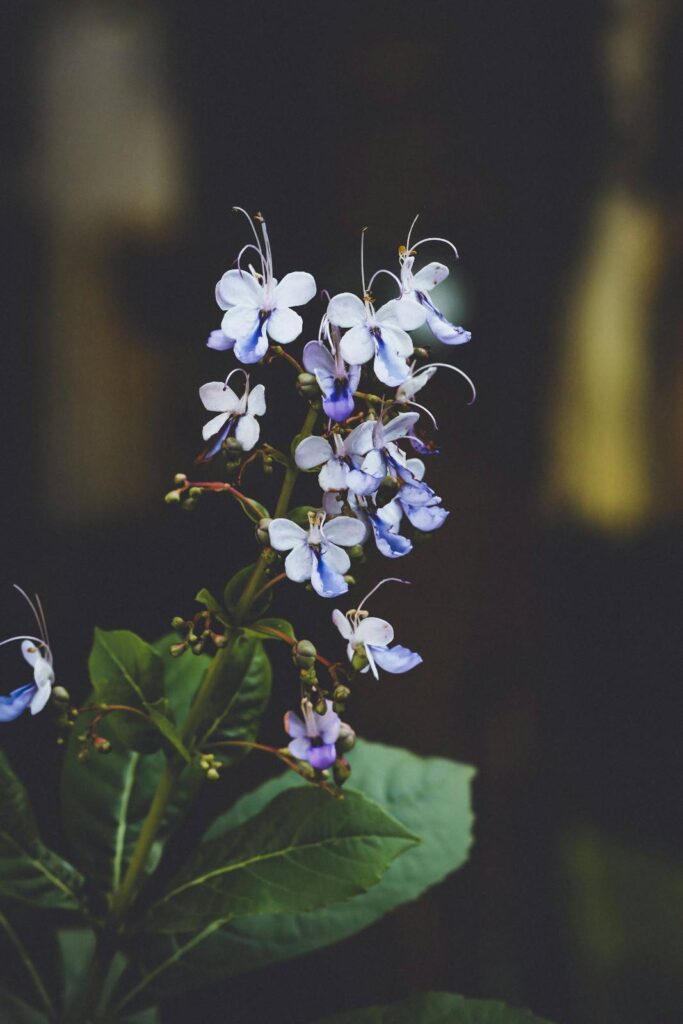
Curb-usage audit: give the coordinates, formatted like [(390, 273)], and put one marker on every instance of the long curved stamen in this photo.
[(249, 245), (410, 230), (33, 639), (43, 620), (389, 579), (269, 254), (383, 271), (424, 409), (40, 621), (362, 260), (444, 240), (456, 369), (239, 209), (238, 369)]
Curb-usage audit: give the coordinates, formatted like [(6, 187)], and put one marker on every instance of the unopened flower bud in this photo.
[(172, 498), (178, 649), (341, 693), (304, 654), (178, 622), (341, 771), (212, 774), (262, 535), (83, 755), (194, 492), (179, 479), (421, 353), (359, 660), (350, 580), (307, 385), (320, 707), (102, 745), (198, 648), (231, 444), (357, 551), (60, 695), (220, 640), (347, 738)]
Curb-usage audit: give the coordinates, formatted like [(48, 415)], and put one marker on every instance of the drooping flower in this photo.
[(313, 736), (233, 413), (370, 637), (316, 554), (372, 334), (257, 306), (415, 303), (337, 382), (384, 452), (384, 525), (37, 653), (341, 462)]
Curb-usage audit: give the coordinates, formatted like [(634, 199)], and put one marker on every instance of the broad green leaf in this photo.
[(430, 796), (303, 851), (266, 629), (436, 1008), (30, 965), (105, 800), (126, 670), (235, 587), (29, 871), (240, 697)]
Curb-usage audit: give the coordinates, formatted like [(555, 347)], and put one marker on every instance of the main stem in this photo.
[(125, 894)]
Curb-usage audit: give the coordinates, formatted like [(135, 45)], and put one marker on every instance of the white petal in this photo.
[(219, 297), (332, 476), (359, 441), (284, 534), (294, 727), (40, 699), (344, 530), (312, 452), (318, 357), (30, 651), (43, 674), (397, 339), (247, 432), (416, 467), (214, 425), (239, 288), (342, 624), (357, 345), (240, 322), (387, 314), (218, 397), (400, 425), (410, 313), (429, 277), (347, 310), (298, 563), (335, 558), (375, 631), (256, 402), (295, 289), (284, 325)]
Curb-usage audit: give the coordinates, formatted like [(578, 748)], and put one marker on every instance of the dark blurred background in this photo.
[(545, 140)]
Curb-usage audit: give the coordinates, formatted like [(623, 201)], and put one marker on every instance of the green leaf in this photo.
[(29, 871), (263, 629), (234, 589), (126, 670), (303, 851), (430, 796), (213, 605), (240, 697), (30, 964), (105, 800), (436, 1008), (19, 1012)]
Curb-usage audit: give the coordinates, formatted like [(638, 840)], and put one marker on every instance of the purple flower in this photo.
[(314, 738), (384, 523), (341, 463), (337, 382)]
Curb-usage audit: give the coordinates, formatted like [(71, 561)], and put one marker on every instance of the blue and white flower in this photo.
[(313, 735), (370, 637), (340, 460), (372, 334), (415, 303), (234, 414), (317, 554), (37, 653), (337, 382), (383, 523), (379, 461), (257, 306)]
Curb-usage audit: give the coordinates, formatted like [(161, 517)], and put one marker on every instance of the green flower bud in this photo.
[(341, 771), (262, 535), (359, 659), (179, 479), (60, 695), (304, 654), (198, 648), (212, 774), (357, 551), (172, 498), (231, 444), (178, 649), (307, 385), (350, 580), (194, 492), (347, 738), (178, 623), (341, 693)]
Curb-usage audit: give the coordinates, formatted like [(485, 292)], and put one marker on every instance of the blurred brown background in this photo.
[(544, 138)]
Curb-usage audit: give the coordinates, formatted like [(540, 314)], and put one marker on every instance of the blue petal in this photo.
[(442, 329), (338, 403), (389, 543), (325, 580), (423, 447), (253, 348), (395, 659), (322, 757), (216, 441), (17, 702), (219, 341), (426, 517), (389, 366)]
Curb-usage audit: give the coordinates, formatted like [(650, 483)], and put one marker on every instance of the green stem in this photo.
[(127, 891)]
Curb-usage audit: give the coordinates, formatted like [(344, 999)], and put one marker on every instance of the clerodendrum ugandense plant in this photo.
[(109, 927)]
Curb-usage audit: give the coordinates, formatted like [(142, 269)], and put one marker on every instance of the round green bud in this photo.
[(198, 648), (178, 649), (194, 492), (262, 535), (307, 385), (212, 774), (178, 623), (172, 498), (231, 444), (179, 479), (341, 693), (357, 551), (60, 695), (220, 640), (347, 738), (304, 654), (350, 580), (341, 771)]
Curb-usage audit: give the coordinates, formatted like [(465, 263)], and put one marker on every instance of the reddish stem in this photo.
[(285, 758)]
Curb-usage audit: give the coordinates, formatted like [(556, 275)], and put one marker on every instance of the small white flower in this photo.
[(370, 637), (233, 412), (338, 462), (372, 333), (36, 651), (315, 554), (257, 306)]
